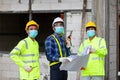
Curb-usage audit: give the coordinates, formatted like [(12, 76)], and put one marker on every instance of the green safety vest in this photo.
[(27, 53), (95, 66), (60, 50)]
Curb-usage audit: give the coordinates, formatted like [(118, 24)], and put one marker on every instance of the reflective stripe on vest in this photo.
[(96, 58), (23, 55), (17, 49), (26, 43), (60, 50), (26, 55), (30, 61), (100, 41), (12, 54)]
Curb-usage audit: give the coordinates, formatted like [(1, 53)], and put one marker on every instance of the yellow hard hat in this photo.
[(31, 22), (90, 24)]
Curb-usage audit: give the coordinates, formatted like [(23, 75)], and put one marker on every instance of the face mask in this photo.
[(90, 33), (59, 30), (33, 33)]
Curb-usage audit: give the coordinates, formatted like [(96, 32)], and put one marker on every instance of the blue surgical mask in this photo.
[(59, 30), (91, 33), (33, 33)]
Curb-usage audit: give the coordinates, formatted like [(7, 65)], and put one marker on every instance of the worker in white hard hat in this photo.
[(56, 50), (95, 69), (26, 53)]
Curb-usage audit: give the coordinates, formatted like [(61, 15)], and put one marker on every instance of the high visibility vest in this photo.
[(95, 66), (60, 51), (27, 53)]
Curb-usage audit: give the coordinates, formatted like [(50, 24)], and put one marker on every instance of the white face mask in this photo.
[(59, 30), (91, 33), (33, 33)]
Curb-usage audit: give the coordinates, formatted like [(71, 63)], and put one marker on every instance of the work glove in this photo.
[(63, 59), (27, 68)]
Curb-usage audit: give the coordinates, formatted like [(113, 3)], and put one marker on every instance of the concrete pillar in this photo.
[(98, 16), (112, 39), (104, 14)]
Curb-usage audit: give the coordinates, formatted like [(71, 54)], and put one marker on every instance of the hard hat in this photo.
[(58, 19), (90, 24), (31, 22)]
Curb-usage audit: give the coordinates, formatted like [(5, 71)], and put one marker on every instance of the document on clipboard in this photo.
[(74, 63)]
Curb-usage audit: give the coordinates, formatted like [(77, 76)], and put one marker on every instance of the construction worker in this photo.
[(97, 49), (26, 53), (56, 50)]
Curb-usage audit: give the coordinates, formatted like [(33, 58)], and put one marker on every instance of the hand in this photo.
[(86, 51), (27, 68), (68, 43), (67, 40), (62, 59), (82, 68), (92, 50)]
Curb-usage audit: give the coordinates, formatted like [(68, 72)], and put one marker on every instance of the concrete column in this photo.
[(104, 14), (112, 39), (98, 16)]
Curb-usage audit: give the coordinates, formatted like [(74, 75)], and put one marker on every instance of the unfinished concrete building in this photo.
[(15, 13)]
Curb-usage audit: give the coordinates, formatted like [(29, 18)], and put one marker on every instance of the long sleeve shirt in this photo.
[(52, 50)]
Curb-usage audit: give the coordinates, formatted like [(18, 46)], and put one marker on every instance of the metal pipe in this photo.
[(118, 43), (107, 37), (19, 1), (30, 9), (82, 29), (83, 20), (59, 1)]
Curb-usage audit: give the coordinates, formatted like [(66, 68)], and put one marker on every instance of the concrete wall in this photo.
[(37, 5), (73, 23)]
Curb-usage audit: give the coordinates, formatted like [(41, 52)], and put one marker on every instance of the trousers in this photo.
[(57, 74)]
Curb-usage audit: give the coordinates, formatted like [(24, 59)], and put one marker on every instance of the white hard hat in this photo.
[(58, 19)]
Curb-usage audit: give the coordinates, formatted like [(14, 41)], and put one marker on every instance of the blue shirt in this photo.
[(52, 50)]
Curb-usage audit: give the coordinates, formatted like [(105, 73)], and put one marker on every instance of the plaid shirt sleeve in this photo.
[(51, 49)]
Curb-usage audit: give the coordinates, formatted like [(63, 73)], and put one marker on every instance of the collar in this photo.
[(56, 35), (31, 39), (94, 39)]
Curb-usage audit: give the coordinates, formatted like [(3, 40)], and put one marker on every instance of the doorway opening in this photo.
[(12, 28)]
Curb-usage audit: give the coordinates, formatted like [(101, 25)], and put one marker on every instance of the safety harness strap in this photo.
[(60, 50), (59, 47)]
